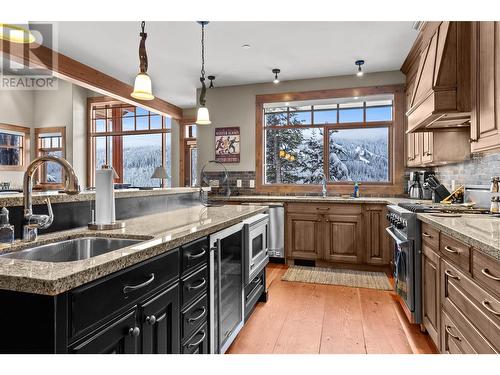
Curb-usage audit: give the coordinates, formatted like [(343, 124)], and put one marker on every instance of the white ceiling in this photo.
[(300, 49)]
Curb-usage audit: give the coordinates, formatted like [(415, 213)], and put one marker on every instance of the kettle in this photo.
[(415, 190)]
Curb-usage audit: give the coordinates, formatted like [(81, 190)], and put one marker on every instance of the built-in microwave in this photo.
[(255, 234)]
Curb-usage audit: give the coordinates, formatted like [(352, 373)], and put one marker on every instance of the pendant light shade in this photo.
[(16, 33), (142, 85), (203, 116)]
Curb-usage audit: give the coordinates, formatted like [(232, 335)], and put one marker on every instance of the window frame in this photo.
[(39, 151), (116, 132), (25, 133), (395, 142)]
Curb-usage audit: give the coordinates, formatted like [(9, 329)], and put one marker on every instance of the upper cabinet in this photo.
[(485, 120), (439, 96)]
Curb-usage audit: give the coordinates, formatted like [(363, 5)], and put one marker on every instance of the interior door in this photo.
[(160, 323)]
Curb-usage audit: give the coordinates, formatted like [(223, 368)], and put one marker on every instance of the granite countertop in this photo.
[(16, 199), (480, 231), (320, 199), (161, 232)]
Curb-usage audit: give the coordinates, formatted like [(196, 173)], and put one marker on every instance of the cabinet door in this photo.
[(160, 323), (304, 236), (427, 147), (430, 293), (343, 238), (377, 241), (117, 337), (485, 121), (414, 149)]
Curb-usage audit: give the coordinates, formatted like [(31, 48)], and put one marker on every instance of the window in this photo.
[(345, 139), (14, 141), (133, 140), (189, 151), (50, 141)]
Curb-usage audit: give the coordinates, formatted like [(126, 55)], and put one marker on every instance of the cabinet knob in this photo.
[(135, 331), (472, 140), (151, 320)]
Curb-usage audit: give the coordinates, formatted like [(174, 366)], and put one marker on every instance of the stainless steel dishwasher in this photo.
[(276, 226)]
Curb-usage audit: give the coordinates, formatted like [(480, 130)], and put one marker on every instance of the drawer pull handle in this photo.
[(151, 320), (425, 234), (197, 256), (451, 250), (134, 332), (131, 288), (196, 318), (486, 272), (199, 341), (450, 275), (199, 286), (486, 305), (448, 330), (323, 208)]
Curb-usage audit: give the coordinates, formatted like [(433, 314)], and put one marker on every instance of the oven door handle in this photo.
[(398, 241)]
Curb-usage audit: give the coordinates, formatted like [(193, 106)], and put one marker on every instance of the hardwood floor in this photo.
[(302, 318)]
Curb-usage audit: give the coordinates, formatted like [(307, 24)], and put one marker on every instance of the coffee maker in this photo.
[(417, 188)]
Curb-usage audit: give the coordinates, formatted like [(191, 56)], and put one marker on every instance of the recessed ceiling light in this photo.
[(246, 46), (356, 97)]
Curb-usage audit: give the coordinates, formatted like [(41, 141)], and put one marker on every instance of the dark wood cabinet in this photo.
[(119, 336), (376, 239), (430, 292), (343, 238), (160, 333), (304, 235), (198, 343)]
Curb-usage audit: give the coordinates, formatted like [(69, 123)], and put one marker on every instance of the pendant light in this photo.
[(203, 117), (142, 84), (19, 33), (359, 73), (276, 79)]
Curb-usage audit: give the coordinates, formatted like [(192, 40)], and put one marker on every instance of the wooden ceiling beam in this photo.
[(68, 69)]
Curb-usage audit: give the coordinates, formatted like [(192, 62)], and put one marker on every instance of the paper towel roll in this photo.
[(104, 197)]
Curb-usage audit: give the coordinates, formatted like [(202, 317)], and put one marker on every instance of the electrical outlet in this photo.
[(252, 184), (238, 183)]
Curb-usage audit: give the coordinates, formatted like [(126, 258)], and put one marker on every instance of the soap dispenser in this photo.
[(6, 230)]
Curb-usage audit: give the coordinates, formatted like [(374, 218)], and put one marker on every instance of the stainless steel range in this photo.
[(405, 233)]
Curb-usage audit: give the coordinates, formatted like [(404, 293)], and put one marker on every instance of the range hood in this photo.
[(441, 96)]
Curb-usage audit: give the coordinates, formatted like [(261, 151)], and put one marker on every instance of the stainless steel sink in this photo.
[(71, 250)]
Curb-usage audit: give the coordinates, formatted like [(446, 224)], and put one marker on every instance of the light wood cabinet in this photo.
[(427, 147), (343, 238), (304, 236), (485, 119)]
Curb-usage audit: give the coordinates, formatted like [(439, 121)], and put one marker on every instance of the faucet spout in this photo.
[(324, 190), (33, 222)]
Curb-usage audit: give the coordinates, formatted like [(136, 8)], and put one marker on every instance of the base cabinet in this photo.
[(376, 240), (343, 238), (304, 235), (430, 293)]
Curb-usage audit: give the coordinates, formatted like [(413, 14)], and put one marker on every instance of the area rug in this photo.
[(336, 276)]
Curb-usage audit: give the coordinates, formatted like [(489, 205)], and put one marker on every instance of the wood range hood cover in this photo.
[(441, 96)]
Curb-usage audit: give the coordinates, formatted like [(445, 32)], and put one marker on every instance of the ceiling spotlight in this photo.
[(246, 46), (211, 79), (359, 73), (276, 79)]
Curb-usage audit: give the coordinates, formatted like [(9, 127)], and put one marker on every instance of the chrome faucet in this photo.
[(34, 222), (324, 191)]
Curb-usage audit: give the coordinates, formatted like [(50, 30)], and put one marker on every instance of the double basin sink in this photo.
[(72, 249)]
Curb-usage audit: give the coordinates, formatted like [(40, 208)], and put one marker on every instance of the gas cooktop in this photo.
[(441, 208)]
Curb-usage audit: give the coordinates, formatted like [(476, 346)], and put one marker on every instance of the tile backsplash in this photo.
[(477, 171)]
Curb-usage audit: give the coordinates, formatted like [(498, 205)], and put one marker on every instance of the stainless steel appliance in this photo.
[(226, 287), (418, 188), (255, 231), (276, 228), (405, 233)]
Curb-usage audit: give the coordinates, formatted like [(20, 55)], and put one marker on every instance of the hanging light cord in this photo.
[(143, 57), (202, 78)]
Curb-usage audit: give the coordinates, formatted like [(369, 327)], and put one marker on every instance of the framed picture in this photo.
[(227, 145)]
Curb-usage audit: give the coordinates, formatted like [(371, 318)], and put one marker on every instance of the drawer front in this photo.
[(460, 299), (430, 236), (253, 291), (194, 316), (194, 253), (325, 208), (456, 251), (486, 270), (452, 340), (194, 285), (96, 301), (198, 343)]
